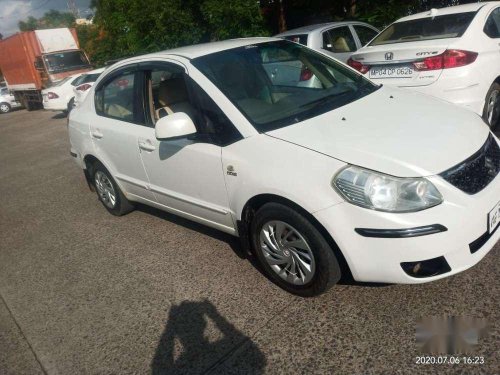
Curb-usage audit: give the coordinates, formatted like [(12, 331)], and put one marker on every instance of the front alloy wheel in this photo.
[(287, 252)]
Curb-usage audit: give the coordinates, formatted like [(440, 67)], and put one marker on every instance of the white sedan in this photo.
[(451, 53), (58, 96), (81, 90), (385, 184)]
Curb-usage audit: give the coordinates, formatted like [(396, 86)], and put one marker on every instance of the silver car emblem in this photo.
[(389, 56)]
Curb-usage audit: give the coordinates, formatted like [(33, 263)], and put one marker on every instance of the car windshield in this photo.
[(64, 61), (276, 84), (439, 27)]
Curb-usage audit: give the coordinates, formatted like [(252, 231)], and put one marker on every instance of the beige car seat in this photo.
[(173, 97), (340, 45)]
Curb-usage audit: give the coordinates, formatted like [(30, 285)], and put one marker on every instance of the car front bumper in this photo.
[(464, 243)]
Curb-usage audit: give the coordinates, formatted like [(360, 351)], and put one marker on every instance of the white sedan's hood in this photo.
[(401, 133)]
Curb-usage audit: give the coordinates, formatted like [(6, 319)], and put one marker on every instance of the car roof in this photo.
[(95, 71), (197, 50), (319, 26), (474, 7)]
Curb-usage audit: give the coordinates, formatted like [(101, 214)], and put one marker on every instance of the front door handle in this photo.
[(146, 146), (97, 134)]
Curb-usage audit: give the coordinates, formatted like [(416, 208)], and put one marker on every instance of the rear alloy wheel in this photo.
[(5, 107), (491, 111), (109, 193), (292, 252)]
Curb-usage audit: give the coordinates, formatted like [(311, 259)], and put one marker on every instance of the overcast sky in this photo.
[(12, 11)]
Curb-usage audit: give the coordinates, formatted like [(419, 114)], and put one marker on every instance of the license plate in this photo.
[(391, 72), (494, 218)]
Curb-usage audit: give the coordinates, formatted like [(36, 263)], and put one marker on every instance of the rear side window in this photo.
[(302, 38), (439, 27), (365, 34), (115, 99), (339, 40), (86, 78), (492, 26)]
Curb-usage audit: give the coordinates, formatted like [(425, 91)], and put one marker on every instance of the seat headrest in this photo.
[(172, 91)]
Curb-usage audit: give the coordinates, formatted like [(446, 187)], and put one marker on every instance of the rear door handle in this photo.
[(97, 134), (146, 146)]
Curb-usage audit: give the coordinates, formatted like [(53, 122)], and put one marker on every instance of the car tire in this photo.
[(286, 265), (5, 107), (108, 191), (71, 104), (491, 110)]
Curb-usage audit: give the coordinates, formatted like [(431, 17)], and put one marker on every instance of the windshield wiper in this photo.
[(325, 99)]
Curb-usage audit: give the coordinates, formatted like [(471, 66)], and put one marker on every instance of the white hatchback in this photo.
[(451, 53), (317, 182)]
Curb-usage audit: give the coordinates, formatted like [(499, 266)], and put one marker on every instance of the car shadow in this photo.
[(59, 115), (232, 241), (235, 245), (187, 346)]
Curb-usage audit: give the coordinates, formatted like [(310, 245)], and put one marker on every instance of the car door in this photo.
[(339, 42), (185, 173), (118, 124)]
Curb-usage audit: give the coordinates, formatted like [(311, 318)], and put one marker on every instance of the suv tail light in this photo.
[(305, 74), (84, 87), (52, 95), (359, 66), (451, 58)]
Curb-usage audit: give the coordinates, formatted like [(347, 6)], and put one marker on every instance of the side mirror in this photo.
[(38, 65), (173, 126)]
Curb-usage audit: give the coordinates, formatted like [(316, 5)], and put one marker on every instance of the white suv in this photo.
[(315, 181), (451, 53)]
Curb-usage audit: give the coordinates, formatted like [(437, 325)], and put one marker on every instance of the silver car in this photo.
[(7, 101), (338, 39)]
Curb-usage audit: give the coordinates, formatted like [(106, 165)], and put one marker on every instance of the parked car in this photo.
[(58, 96), (7, 100), (81, 90), (396, 186), (338, 39), (451, 53)]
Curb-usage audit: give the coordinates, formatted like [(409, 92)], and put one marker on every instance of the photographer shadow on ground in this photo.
[(197, 339)]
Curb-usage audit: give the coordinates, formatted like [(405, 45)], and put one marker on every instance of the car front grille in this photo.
[(475, 173)]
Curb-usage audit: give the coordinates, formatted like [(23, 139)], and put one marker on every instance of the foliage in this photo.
[(131, 27), (51, 19), (233, 19)]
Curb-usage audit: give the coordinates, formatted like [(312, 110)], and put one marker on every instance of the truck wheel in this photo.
[(29, 106), (491, 111), (292, 252), (5, 107)]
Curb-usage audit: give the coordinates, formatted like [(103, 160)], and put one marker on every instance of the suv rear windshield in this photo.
[(302, 38), (439, 27)]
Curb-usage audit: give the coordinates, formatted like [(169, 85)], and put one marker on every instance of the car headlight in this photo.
[(382, 192)]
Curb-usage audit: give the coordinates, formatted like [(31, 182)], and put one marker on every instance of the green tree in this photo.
[(131, 27)]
